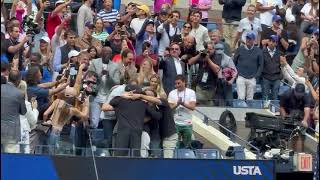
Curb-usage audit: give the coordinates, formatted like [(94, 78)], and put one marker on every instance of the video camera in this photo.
[(30, 27), (270, 131), (203, 53)]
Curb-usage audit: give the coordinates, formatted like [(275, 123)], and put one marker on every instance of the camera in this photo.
[(203, 53), (82, 96), (89, 87), (30, 27)]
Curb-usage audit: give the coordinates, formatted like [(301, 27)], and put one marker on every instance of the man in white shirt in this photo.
[(267, 9), (248, 24), (142, 15), (183, 101), (168, 30), (199, 32)]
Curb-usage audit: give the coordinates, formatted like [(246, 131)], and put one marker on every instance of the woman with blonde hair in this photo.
[(145, 72), (155, 85), (46, 59)]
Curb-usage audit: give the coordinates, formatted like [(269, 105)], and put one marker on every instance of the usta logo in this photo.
[(246, 170)]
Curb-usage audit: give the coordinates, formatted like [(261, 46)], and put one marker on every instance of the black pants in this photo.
[(128, 138)]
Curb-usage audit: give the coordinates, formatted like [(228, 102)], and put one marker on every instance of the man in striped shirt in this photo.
[(108, 15)]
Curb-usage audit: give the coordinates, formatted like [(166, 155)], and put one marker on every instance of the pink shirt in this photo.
[(200, 4), (158, 4)]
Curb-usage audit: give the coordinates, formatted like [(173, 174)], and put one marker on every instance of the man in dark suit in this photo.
[(12, 105), (172, 66)]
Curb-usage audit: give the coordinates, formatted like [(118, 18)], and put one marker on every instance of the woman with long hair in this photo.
[(145, 72), (156, 85), (93, 52), (99, 32), (46, 59), (186, 29)]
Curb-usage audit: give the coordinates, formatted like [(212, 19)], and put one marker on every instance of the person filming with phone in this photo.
[(108, 75)]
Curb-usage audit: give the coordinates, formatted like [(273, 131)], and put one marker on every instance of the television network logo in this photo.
[(246, 170)]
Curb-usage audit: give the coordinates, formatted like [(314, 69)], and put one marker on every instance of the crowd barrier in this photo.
[(30, 167)]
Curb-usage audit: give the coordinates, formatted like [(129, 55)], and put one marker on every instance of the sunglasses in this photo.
[(251, 27)]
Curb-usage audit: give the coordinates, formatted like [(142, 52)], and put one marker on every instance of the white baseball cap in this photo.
[(45, 38), (73, 53), (59, 2)]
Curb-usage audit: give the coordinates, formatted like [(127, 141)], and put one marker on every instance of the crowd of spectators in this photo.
[(69, 67)]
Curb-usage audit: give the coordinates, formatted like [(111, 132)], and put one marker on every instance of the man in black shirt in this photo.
[(294, 100), (168, 133), (130, 114), (14, 47)]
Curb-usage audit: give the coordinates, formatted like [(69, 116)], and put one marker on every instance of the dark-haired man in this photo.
[(60, 59), (130, 115), (199, 32), (183, 100)]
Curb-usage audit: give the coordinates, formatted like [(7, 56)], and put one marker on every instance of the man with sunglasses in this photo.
[(248, 24), (172, 66)]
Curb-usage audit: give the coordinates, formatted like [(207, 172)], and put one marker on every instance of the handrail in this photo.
[(206, 121)]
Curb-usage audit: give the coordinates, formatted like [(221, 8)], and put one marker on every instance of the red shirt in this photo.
[(154, 58), (52, 23)]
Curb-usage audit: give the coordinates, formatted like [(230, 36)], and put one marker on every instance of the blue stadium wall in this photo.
[(40, 167)]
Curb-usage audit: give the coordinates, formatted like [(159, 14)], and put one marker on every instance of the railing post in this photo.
[(206, 120)]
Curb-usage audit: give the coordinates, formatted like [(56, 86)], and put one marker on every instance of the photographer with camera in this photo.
[(108, 75), (294, 100), (295, 104), (216, 75), (16, 48)]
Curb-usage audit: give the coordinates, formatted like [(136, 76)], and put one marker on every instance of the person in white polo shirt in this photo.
[(183, 101)]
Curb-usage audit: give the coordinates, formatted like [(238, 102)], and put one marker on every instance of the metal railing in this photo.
[(233, 136)]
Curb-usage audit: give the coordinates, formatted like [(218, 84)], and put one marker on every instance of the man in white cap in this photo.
[(73, 56)]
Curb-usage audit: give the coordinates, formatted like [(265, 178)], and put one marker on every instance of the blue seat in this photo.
[(256, 104), (238, 103), (211, 26), (207, 154), (184, 154)]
